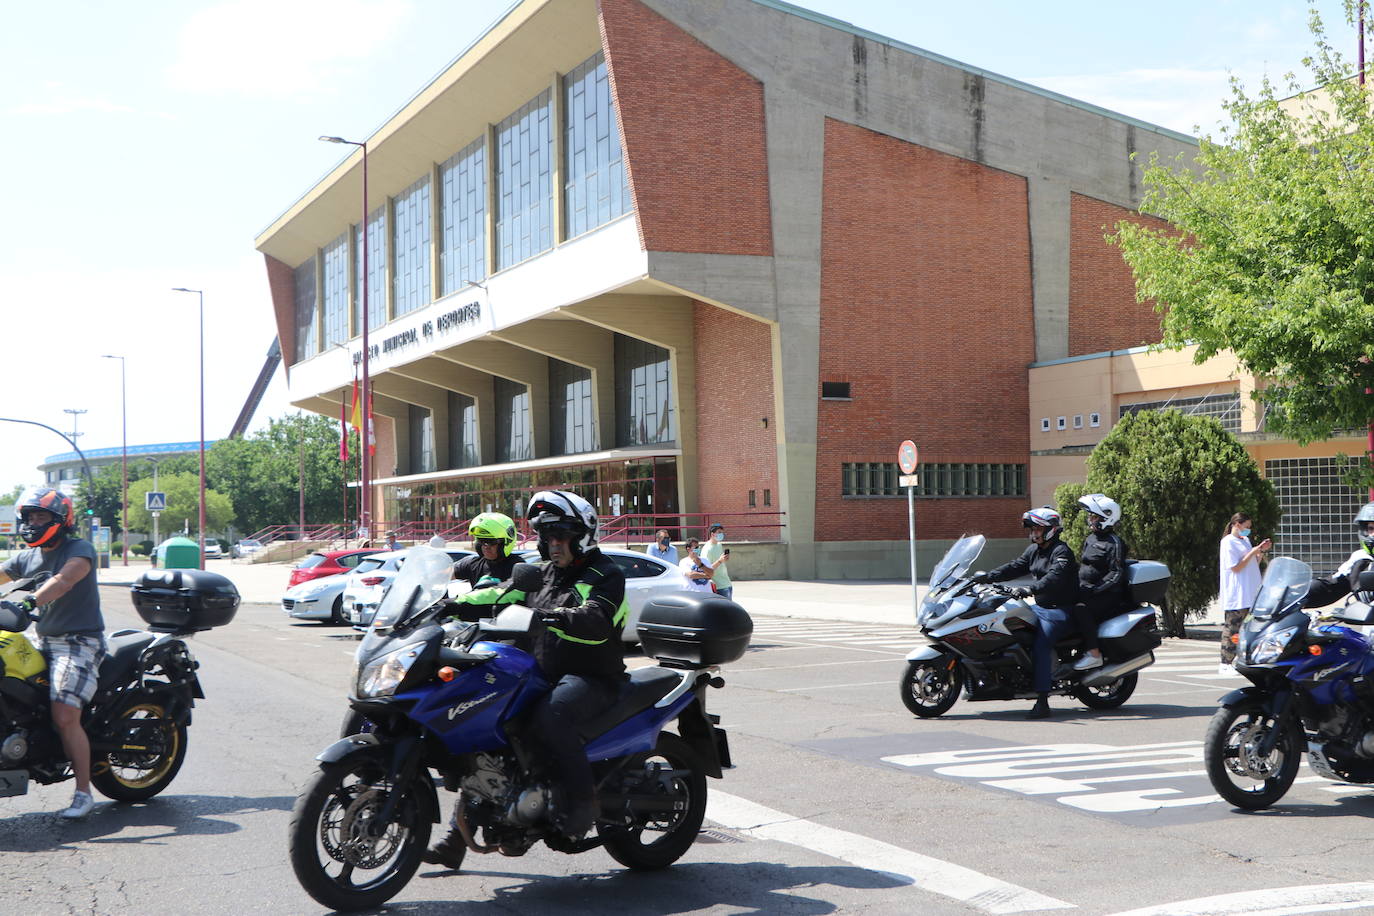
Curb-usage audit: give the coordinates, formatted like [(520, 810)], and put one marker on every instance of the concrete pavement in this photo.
[(882, 601)]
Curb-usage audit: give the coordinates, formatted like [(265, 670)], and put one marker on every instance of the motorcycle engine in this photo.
[(14, 747), (490, 779)]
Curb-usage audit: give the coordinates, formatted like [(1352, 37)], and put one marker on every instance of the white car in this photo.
[(213, 549), (317, 599), (370, 579), (245, 548)]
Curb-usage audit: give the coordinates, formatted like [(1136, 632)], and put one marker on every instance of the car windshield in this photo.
[(423, 580), (315, 559), (957, 560), (249, 542), (1285, 585)]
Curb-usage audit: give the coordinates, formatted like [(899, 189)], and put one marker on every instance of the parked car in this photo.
[(213, 549), (368, 583), (317, 599), (323, 563), (246, 547)]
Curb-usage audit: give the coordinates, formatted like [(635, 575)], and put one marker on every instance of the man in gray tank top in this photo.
[(71, 629)]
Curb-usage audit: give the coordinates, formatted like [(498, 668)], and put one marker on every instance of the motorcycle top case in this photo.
[(691, 630), (170, 600), (1148, 581)]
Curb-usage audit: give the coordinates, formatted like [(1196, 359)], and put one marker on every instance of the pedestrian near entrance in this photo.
[(716, 555), (392, 543), (663, 548), (1240, 582), (698, 576)]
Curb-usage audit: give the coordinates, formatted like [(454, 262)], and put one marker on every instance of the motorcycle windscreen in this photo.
[(957, 561), (1285, 585), (422, 580)]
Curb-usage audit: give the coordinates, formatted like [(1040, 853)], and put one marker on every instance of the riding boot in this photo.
[(1041, 709), (449, 851)]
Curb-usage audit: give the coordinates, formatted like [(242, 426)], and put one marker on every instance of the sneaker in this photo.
[(1088, 662), (82, 803)]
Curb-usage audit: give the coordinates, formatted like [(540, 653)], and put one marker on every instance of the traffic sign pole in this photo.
[(908, 458)]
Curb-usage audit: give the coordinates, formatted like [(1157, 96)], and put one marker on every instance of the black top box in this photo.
[(681, 630), (175, 600)]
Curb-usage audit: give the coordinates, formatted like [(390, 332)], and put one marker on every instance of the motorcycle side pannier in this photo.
[(687, 630), (1149, 581), (172, 600)]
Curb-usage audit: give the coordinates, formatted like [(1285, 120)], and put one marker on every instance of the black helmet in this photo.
[(560, 511), (1366, 514), (54, 502)]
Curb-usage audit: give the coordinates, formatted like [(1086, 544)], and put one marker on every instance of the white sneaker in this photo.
[(82, 803), (1225, 670), (1088, 662)]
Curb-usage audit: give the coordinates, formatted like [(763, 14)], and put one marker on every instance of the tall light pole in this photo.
[(123, 457), (365, 440), (201, 294)]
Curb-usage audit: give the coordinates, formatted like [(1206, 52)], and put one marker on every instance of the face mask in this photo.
[(663, 542), (719, 535), (1245, 532)]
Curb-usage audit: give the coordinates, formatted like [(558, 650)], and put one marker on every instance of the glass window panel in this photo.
[(571, 426), (595, 189), (376, 272), (514, 440), (462, 431), (336, 291), (307, 315), (524, 182), (643, 393), (463, 218), (410, 241)]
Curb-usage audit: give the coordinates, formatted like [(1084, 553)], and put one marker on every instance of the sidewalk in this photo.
[(882, 601)]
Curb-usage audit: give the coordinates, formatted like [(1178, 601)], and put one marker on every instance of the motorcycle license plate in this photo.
[(13, 782)]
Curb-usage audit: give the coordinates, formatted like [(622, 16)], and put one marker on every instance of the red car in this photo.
[(323, 563)]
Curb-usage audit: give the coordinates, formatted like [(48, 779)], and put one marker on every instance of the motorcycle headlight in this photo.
[(1270, 646), (381, 676), (930, 610)]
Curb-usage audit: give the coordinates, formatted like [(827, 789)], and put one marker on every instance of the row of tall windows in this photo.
[(938, 479), (520, 172)]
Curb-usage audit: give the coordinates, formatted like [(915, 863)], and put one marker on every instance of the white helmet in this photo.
[(552, 510), (1044, 517), (1104, 507)]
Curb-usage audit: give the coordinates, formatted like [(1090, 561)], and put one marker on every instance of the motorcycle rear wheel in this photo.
[(137, 775), (1108, 696), (329, 838), (663, 838), (1239, 776), (931, 687)]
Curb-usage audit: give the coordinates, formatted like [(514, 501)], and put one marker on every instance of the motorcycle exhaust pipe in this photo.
[(466, 831), (1108, 673)]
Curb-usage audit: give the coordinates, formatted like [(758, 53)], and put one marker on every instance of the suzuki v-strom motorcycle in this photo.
[(443, 697), (1312, 690), (980, 639), (137, 720)]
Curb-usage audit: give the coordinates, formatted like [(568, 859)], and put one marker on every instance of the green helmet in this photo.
[(496, 527)]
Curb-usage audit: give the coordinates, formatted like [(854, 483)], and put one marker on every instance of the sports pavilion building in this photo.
[(716, 260)]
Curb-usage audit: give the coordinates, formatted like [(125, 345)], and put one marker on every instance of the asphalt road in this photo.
[(840, 801)]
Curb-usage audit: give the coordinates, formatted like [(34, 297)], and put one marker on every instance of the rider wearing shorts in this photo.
[(71, 630)]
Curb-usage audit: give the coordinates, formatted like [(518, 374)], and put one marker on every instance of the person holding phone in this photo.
[(1240, 582), (715, 555)]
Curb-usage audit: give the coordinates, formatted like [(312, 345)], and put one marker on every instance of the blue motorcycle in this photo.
[(1312, 691), (450, 699)]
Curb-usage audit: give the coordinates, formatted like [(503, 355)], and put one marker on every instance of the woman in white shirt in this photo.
[(1240, 582), (698, 573)]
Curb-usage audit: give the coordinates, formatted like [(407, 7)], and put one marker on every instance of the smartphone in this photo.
[(727, 552)]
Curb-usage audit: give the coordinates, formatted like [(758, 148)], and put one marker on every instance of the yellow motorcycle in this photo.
[(147, 685)]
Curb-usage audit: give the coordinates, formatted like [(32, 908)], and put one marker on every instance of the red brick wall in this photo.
[(281, 283), (692, 131), (1103, 313), (926, 311), (736, 451)]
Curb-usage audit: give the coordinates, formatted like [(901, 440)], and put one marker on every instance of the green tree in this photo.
[(1178, 479), (1272, 253), (105, 498), (183, 505), (264, 473)]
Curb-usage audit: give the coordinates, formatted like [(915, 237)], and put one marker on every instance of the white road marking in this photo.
[(1276, 901), (936, 876), (834, 686)]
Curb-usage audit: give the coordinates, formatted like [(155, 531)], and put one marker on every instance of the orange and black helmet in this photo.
[(54, 502)]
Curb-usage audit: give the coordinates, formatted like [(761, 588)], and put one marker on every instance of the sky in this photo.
[(146, 144)]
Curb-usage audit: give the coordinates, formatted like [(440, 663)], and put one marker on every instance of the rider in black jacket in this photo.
[(1346, 580), (1055, 588), (1101, 575)]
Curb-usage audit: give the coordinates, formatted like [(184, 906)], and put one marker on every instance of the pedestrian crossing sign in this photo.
[(156, 502)]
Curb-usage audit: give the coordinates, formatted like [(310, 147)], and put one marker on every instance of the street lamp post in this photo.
[(201, 294), (365, 440), (123, 457)]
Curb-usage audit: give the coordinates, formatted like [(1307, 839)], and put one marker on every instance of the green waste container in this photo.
[(178, 553)]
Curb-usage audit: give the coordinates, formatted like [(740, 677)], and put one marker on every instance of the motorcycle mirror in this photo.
[(526, 577)]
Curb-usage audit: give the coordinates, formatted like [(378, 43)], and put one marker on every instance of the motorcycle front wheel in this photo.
[(930, 686), (150, 752), (340, 854), (666, 827), (1107, 696), (1237, 771)]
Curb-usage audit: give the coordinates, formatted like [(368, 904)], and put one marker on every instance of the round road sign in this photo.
[(907, 457)]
